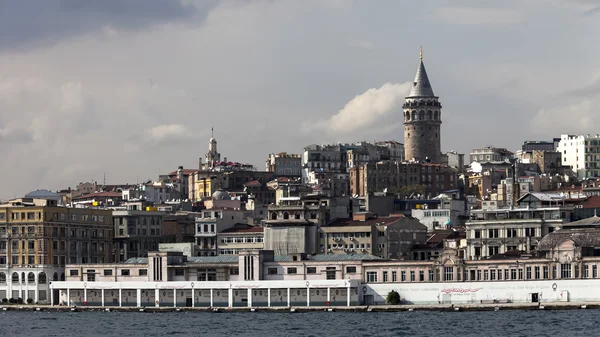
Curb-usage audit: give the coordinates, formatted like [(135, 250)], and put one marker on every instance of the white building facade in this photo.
[(581, 153)]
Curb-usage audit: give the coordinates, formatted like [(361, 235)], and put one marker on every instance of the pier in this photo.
[(304, 309)]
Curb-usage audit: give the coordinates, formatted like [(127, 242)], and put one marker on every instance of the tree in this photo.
[(407, 191), (30, 301), (393, 298)]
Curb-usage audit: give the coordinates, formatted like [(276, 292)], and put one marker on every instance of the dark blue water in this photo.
[(489, 323)]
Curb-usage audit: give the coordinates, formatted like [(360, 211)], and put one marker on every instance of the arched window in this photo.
[(313, 215), (15, 278), (2, 278), (286, 215), (297, 215), (42, 278), (62, 276), (407, 116), (23, 279), (55, 277), (414, 115), (421, 115), (273, 215), (429, 115), (436, 115), (31, 278)]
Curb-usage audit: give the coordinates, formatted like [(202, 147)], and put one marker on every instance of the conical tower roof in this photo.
[(421, 86)]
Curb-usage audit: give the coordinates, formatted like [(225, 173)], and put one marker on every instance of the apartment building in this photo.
[(38, 238), (137, 231)]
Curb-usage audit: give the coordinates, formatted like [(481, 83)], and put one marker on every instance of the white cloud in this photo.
[(161, 132), (364, 110), (575, 118), (477, 15)]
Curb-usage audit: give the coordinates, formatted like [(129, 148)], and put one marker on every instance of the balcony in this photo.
[(206, 234)]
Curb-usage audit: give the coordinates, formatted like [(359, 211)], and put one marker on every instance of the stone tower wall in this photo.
[(422, 129)]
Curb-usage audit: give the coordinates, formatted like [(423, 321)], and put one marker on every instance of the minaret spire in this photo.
[(421, 53), (212, 132)]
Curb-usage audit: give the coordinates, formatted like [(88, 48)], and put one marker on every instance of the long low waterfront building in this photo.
[(210, 294)]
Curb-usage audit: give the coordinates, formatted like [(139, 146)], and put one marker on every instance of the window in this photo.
[(493, 250), (478, 275), (520, 273), (586, 271), (528, 273), (492, 233), (371, 276), (448, 274), (74, 272), (529, 232), (513, 274), (125, 272), (91, 275), (594, 271), (292, 270), (477, 234), (536, 271), (272, 271), (511, 232), (234, 271), (430, 275), (412, 276), (421, 275), (385, 276), (311, 270), (330, 273), (492, 274), (403, 276), (351, 269), (143, 272), (546, 276), (565, 270), (108, 272), (394, 276), (179, 272)]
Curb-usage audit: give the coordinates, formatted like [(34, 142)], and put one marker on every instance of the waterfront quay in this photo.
[(301, 309)]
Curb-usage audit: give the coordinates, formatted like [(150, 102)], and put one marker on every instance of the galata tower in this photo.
[(422, 120)]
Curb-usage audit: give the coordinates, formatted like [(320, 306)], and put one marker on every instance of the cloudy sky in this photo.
[(132, 88)]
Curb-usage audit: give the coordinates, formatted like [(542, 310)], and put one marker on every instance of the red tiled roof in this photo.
[(253, 183), (369, 222), (239, 228), (591, 202), (437, 237), (186, 172)]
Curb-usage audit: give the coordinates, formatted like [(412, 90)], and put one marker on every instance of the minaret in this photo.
[(422, 120), (212, 156)]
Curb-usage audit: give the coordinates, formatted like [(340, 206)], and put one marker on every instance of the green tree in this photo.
[(393, 298)]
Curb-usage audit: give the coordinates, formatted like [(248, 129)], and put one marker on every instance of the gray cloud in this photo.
[(138, 98), (48, 21)]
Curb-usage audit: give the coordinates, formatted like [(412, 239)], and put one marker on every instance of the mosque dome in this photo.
[(42, 194), (221, 194)]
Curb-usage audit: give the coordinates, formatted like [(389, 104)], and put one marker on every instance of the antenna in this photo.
[(104, 182)]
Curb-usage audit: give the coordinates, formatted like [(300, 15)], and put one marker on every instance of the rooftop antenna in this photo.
[(104, 181)]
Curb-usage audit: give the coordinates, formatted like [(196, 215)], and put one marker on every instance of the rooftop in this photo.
[(370, 222), (581, 237)]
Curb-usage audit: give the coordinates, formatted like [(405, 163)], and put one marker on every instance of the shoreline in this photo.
[(303, 309)]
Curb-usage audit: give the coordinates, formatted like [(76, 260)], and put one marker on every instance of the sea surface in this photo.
[(460, 324)]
